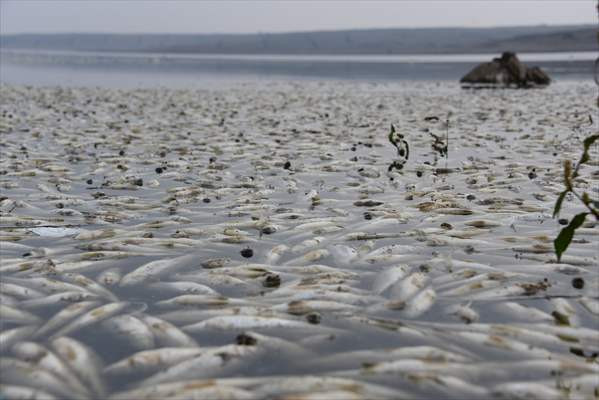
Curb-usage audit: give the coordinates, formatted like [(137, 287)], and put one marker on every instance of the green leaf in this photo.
[(392, 137), (584, 158), (564, 238), (558, 203), (589, 141)]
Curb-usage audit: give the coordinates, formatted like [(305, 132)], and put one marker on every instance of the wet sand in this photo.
[(259, 230)]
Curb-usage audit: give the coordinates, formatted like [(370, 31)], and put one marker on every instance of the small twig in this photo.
[(447, 139)]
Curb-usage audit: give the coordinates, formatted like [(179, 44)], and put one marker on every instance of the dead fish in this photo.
[(406, 288), (526, 390), (302, 307), (109, 277), (307, 244), (208, 364), (167, 334), (149, 361), (156, 269), (343, 255), (201, 300), (464, 312), (8, 337), (18, 291), (21, 373), (83, 361), (245, 322), (94, 316), (416, 305), (524, 313), (65, 315), (216, 263), (183, 287), (58, 298), (590, 305), (275, 254), (389, 277), (309, 257), (90, 285), (42, 357), (24, 392), (483, 223), (132, 330), (18, 316)]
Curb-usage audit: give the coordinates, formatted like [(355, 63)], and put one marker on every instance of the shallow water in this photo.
[(376, 263)]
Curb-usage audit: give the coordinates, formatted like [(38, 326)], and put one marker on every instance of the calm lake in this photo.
[(129, 70)]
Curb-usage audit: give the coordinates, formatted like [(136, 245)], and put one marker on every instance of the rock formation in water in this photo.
[(506, 71)]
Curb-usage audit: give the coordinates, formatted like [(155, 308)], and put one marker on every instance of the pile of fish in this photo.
[(252, 243)]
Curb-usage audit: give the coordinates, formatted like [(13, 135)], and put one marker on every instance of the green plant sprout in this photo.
[(440, 146), (565, 236), (403, 149)]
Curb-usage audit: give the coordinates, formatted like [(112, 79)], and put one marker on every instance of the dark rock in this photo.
[(244, 339), (537, 76), (247, 253), (506, 71), (578, 283)]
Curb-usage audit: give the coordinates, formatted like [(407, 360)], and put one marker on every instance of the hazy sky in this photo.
[(189, 16)]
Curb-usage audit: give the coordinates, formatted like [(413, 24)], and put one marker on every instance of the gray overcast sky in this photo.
[(189, 16)]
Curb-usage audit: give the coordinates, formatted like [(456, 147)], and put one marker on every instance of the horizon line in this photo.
[(290, 32)]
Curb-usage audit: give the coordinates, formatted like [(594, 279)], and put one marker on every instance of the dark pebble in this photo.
[(122, 153), (577, 351), (367, 215), (139, 182), (272, 280), (158, 170), (59, 205), (245, 340), (206, 200), (247, 253), (470, 197), (562, 221), (578, 283), (267, 230), (287, 165), (532, 175), (419, 174), (89, 181), (353, 149), (424, 268), (313, 318)]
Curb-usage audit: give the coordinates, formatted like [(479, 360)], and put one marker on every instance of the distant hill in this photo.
[(363, 41)]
